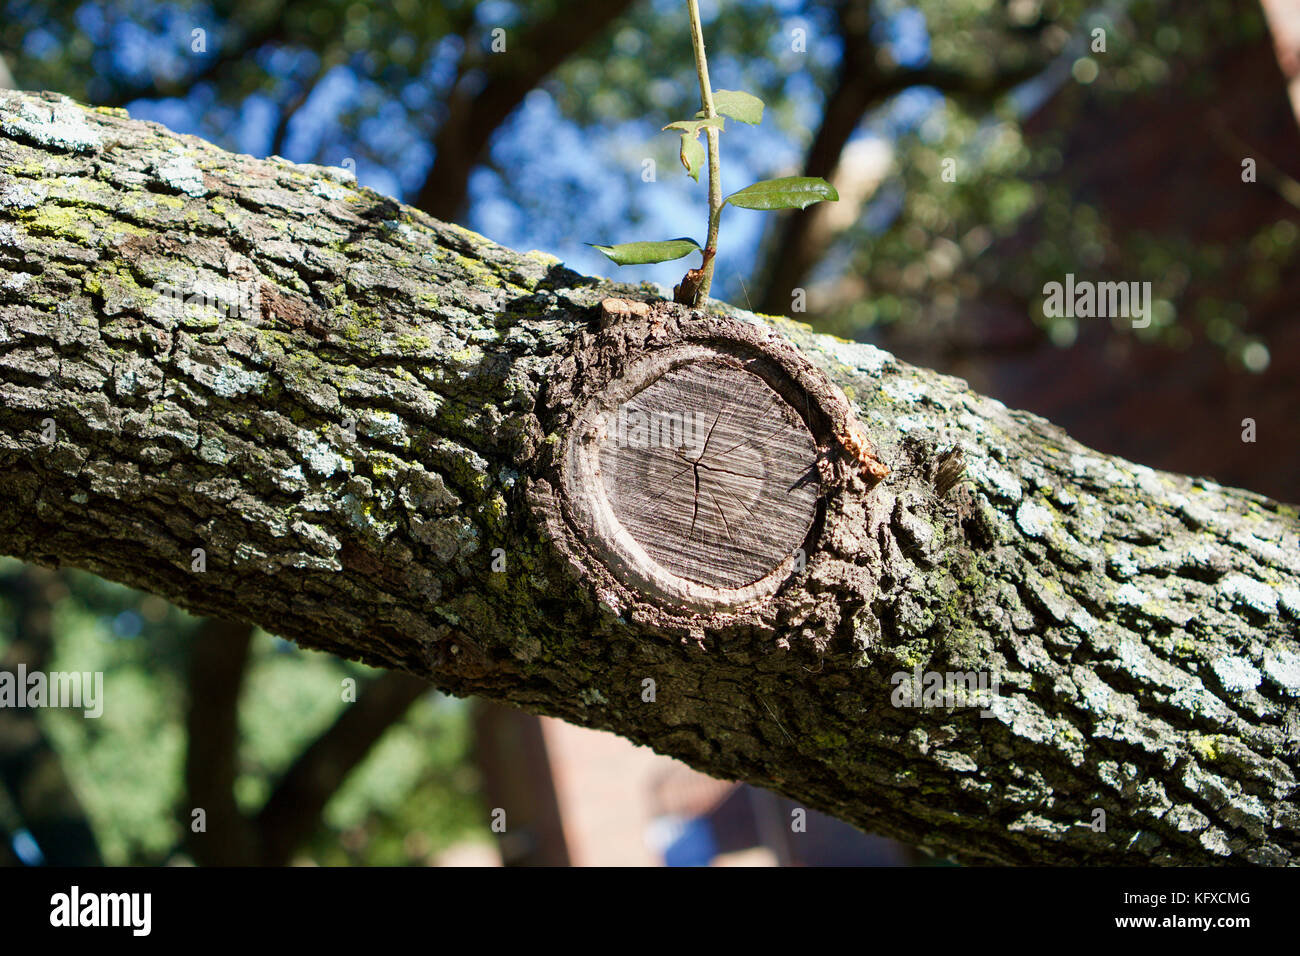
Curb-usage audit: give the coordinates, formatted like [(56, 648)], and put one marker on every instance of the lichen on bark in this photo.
[(350, 409)]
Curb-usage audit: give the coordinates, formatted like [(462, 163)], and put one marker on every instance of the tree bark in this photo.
[(377, 434)]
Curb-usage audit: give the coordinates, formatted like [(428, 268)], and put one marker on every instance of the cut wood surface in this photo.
[(712, 473)]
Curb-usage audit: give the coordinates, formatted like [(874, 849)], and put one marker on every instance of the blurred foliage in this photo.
[(413, 796), (328, 81), (920, 252)]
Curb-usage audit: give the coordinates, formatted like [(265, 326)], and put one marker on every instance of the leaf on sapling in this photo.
[(692, 152), (739, 105), (645, 253), (694, 126), (789, 192), (692, 155)]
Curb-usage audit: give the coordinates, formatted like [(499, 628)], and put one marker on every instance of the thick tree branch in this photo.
[(377, 434)]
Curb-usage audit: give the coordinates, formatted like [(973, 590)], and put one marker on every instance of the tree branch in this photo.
[(218, 661), (270, 28), (31, 770), (293, 104), (860, 87), (490, 86), (391, 450), (293, 811)]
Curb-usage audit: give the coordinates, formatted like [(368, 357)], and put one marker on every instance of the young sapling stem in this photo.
[(711, 136), (788, 192)]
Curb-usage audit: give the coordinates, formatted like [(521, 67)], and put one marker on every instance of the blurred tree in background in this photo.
[(981, 149), (412, 796)]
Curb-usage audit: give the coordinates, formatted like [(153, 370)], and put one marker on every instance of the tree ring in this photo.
[(692, 476)]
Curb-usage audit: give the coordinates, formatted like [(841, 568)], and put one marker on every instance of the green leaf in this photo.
[(643, 253), (790, 192), (692, 155), (694, 126), (739, 105)]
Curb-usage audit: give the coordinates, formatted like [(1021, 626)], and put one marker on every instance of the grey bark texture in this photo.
[(353, 432)]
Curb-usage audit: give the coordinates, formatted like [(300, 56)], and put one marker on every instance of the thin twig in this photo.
[(778, 722)]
